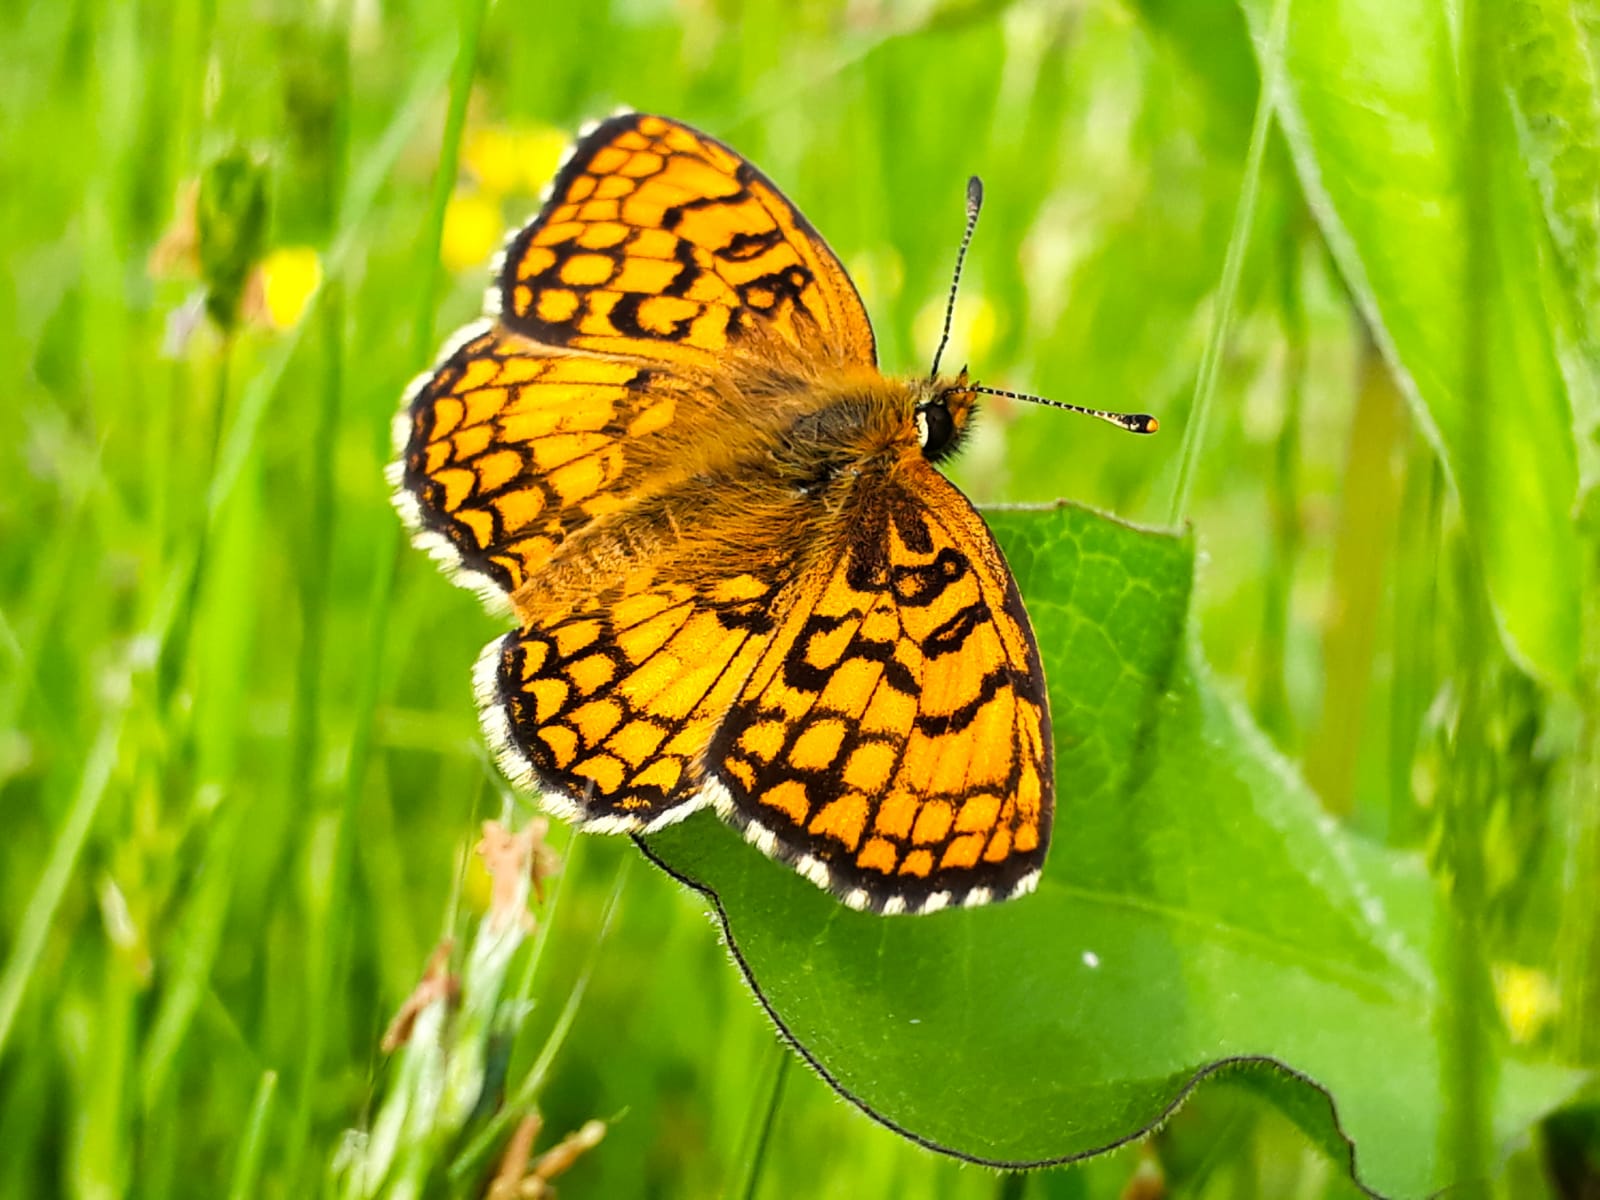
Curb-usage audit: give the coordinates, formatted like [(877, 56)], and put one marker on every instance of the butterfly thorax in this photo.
[(809, 446)]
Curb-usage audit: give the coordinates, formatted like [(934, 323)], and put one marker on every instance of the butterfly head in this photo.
[(943, 411)]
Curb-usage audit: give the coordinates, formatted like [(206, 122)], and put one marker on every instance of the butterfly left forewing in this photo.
[(508, 449), (661, 265), (894, 740)]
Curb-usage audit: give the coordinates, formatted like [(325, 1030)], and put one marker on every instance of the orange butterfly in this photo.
[(737, 576)]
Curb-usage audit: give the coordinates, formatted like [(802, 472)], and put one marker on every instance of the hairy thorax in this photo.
[(808, 444)]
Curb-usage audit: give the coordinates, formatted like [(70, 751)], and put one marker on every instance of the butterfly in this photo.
[(737, 575)]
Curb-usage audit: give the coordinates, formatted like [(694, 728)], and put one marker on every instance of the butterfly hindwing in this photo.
[(607, 709), (894, 740), (660, 242)]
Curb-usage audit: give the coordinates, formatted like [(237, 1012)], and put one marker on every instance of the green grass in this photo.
[(240, 771)]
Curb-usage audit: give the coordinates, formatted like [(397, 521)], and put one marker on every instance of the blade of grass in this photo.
[(188, 976), (175, 646), (478, 1152), (763, 1116), (1465, 1065), (62, 867), (1205, 386), (1271, 683), (247, 1168), (552, 906), (1578, 936), (1362, 550), (319, 527), (1415, 627), (371, 676)]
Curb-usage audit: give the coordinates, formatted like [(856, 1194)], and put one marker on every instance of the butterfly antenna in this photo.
[(1132, 422), (974, 203)]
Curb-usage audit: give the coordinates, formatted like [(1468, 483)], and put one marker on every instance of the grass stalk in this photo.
[(175, 648), (763, 1118), (59, 871), (1578, 931), (1205, 386), (325, 426), (247, 1167), (1416, 623), (478, 1151), (1464, 1049), (370, 670), (1283, 497), (1363, 547)]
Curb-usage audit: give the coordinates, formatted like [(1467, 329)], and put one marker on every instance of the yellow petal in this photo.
[(289, 276), (539, 152), (972, 332), (1527, 998), (472, 229), (490, 153)]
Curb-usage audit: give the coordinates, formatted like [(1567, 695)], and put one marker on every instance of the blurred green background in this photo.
[(240, 771)]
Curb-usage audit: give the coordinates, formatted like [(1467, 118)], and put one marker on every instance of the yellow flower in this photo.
[(971, 333), (1527, 999), (490, 153), (472, 230), (287, 278), (539, 152), (512, 160)]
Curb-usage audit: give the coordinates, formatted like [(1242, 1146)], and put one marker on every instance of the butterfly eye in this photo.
[(935, 428)]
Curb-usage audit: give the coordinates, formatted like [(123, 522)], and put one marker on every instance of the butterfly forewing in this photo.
[(508, 449), (661, 242)]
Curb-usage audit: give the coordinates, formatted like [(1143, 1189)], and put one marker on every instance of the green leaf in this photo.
[(1555, 87), (1198, 914), (1556, 94), (1367, 97)]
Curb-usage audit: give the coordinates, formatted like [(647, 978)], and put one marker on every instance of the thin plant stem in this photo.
[(247, 1167), (541, 936), (319, 530), (320, 515), (175, 650), (370, 671), (764, 1116), (1578, 936), (60, 869), (1271, 688), (1013, 1185), (1464, 1051), (1416, 620), (1362, 550), (477, 1153), (1205, 387)]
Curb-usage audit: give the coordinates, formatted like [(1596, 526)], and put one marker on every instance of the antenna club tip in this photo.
[(974, 193), (1148, 424)]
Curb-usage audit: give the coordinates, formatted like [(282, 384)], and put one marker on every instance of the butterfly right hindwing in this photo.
[(895, 739)]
